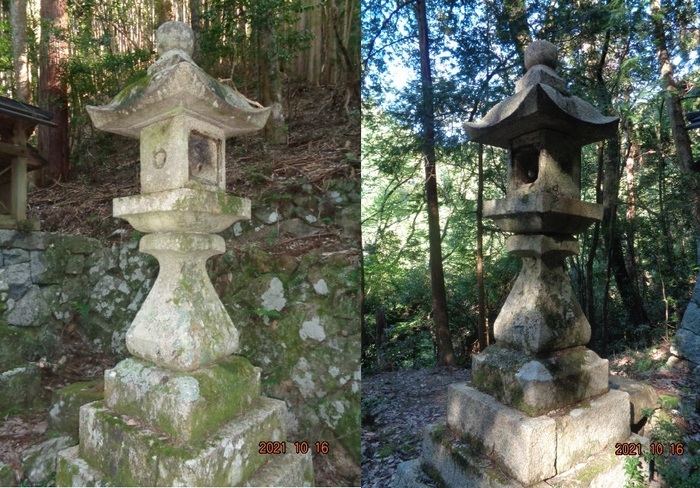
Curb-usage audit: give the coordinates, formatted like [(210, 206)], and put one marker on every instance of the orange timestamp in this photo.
[(300, 447), (656, 448)]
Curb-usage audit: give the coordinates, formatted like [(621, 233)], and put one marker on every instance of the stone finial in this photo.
[(541, 52), (172, 36)]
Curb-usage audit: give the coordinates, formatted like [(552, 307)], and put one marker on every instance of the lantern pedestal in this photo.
[(157, 427)]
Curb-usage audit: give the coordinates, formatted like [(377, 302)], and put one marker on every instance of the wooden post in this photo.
[(18, 186)]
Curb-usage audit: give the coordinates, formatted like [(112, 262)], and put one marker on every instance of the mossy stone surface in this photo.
[(7, 475), (131, 454), (20, 388), (299, 321), (66, 403), (536, 385), (186, 406), (16, 345)]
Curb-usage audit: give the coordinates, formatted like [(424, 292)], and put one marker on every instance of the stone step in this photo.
[(285, 470), (531, 449), (449, 461), (130, 453), (195, 407), (72, 470)]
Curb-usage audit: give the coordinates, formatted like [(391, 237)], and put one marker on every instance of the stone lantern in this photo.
[(183, 117), (197, 408), (539, 406), (541, 327)]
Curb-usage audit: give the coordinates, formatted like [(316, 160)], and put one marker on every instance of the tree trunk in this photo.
[(275, 131), (482, 331), (631, 214), (195, 23), (53, 142), (443, 337), (681, 140), (350, 53), (613, 238), (597, 335), (19, 49), (611, 232), (380, 321)]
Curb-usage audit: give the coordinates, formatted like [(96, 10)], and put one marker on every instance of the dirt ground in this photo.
[(323, 143)]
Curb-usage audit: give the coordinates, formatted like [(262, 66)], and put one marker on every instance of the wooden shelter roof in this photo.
[(13, 115)]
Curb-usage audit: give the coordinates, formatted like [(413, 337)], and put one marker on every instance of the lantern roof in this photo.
[(541, 101), (175, 85)]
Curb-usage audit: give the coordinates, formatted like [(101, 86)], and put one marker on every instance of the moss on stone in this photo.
[(132, 92), (16, 344), (66, 403), (225, 390)]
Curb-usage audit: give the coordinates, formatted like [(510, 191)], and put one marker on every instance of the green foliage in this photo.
[(633, 472), (263, 312), (83, 309), (227, 45)]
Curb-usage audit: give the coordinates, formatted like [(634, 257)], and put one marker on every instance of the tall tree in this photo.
[(18, 13), (443, 338), (674, 110), (53, 93)]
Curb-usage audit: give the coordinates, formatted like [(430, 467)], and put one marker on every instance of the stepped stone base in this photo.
[(166, 428), (535, 448), (449, 462), (488, 444)]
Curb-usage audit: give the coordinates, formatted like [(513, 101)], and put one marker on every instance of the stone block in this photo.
[(75, 244), (523, 446), (75, 264), (193, 401), (7, 475), (15, 256), (72, 470), (643, 396), (30, 240), (602, 470), (16, 345), (688, 336), (538, 385), (66, 403), (19, 279), (37, 265), (6, 237), (38, 462), (19, 388), (591, 427), (286, 470), (409, 474), (130, 453), (458, 463), (533, 449), (32, 310)]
